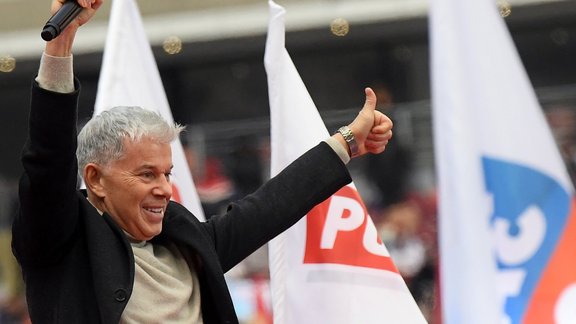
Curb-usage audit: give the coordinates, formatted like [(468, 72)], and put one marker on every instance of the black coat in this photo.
[(78, 265)]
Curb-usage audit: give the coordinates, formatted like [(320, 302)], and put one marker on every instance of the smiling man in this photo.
[(127, 161), (121, 251)]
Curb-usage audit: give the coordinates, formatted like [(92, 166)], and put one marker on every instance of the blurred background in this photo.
[(210, 56)]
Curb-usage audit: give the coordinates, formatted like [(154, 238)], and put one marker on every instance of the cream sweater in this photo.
[(166, 287)]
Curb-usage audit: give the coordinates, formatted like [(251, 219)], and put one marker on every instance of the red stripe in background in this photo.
[(176, 194), (558, 275)]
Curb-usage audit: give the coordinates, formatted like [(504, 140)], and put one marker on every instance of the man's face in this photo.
[(137, 187)]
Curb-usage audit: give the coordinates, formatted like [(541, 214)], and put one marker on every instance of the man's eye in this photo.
[(168, 175), (148, 175)]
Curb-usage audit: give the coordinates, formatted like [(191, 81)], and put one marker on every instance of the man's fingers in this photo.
[(380, 136), (381, 120), (375, 147), (382, 127), (56, 4), (96, 4)]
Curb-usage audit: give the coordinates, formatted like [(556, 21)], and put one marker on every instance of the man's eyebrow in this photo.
[(151, 167)]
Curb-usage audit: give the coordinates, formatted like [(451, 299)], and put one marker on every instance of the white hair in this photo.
[(101, 140)]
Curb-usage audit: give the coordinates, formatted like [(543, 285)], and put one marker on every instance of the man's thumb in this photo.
[(370, 103)]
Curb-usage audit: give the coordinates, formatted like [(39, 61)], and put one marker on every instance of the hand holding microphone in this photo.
[(67, 11), (60, 20)]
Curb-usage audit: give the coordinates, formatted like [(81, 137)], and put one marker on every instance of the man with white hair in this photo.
[(121, 251)]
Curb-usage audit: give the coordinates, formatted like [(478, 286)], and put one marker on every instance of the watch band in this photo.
[(346, 132)]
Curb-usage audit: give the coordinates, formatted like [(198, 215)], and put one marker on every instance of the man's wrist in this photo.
[(56, 73), (62, 45), (339, 146), (348, 136)]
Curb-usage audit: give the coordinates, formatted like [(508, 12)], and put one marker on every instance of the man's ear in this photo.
[(93, 179)]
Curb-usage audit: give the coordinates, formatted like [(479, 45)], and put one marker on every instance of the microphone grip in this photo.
[(60, 20)]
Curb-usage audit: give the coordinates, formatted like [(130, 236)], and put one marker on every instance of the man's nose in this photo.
[(163, 188)]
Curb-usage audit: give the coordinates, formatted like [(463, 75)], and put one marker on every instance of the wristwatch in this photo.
[(346, 132)]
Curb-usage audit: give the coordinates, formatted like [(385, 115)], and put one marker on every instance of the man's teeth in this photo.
[(154, 210)]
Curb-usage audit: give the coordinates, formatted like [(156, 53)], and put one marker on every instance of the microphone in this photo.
[(62, 18)]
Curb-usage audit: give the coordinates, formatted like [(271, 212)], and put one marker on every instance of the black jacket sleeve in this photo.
[(48, 205), (277, 205)]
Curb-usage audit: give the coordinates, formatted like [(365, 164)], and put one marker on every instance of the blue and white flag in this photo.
[(507, 220)]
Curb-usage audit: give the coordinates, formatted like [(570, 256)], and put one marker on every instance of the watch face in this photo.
[(346, 133)]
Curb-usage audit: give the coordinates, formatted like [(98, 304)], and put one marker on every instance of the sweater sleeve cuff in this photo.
[(56, 74), (337, 147)]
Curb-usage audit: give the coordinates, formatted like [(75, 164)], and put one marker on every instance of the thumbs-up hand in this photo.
[(371, 128)]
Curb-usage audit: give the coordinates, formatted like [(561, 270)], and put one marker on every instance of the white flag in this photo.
[(506, 214), (328, 268), (130, 77)]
